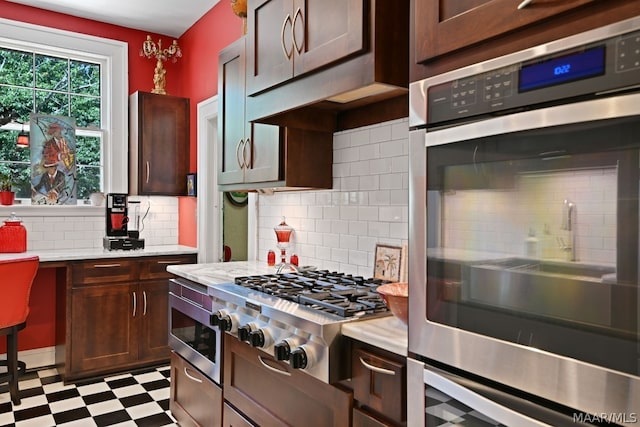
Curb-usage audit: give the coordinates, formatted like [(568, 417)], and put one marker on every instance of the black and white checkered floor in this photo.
[(139, 398)]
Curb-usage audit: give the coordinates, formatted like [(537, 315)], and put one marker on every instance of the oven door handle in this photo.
[(478, 402)]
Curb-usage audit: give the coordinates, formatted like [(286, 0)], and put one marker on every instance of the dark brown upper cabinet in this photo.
[(450, 34), (292, 37), (158, 144), (448, 25), (255, 156), (327, 65)]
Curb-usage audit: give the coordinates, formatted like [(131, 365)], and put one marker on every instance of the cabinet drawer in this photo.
[(194, 399), (379, 383), (231, 418), (104, 271), (156, 267), (362, 419), (271, 393)]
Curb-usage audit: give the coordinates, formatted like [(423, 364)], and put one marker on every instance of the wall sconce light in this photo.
[(23, 138)]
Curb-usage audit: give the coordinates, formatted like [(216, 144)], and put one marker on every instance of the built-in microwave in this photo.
[(524, 224), (191, 332)]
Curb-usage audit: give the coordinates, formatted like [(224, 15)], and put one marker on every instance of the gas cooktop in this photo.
[(339, 294)]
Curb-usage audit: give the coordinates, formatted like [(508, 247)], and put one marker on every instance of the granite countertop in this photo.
[(220, 272), (98, 253), (387, 333)]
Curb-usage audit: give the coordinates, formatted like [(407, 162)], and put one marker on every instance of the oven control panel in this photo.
[(606, 66)]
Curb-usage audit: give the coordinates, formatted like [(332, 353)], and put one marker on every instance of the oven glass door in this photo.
[(532, 238), (191, 336)]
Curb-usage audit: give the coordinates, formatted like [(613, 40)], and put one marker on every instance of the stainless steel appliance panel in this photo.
[(495, 291), (191, 333)]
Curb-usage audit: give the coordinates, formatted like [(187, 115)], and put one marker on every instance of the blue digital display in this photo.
[(564, 69)]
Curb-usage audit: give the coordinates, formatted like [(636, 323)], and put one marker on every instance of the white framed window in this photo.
[(82, 57)]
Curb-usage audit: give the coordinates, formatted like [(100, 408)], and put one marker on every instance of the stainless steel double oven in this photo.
[(191, 332), (524, 222)]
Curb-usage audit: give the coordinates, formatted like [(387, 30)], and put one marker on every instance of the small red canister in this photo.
[(13, 235), (271, 258), (294, 259)]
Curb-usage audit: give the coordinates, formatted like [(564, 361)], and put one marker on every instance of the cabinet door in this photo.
[(163, 126), (325, 31), (154, 320), (194, 399), (104, 326), (264, 148), (379, 383), (269, 43), (232, 152), (444, 26)]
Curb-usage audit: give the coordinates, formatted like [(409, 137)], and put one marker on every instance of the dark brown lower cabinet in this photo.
[(270, 393), (379, 381), (116, 314), (194, 399)]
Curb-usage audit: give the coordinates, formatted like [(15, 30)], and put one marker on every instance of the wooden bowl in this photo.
[(396, 297)]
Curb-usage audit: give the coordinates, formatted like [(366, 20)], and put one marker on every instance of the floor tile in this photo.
[(132, 399)]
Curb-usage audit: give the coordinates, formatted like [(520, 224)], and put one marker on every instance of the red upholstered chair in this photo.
[(17, 277)]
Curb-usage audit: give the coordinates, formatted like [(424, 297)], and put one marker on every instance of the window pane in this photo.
[(9, 151), (88, 150), (16, 67), (85, 78), (86, 110), (88, 181), (18, 100), (52, 73), (52, 103)]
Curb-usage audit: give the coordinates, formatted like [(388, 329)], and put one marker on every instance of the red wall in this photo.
[(194, 76)]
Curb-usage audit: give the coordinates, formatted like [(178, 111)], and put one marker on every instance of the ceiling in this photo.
[(167, 17)]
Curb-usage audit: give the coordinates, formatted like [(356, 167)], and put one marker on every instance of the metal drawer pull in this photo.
[(191, 377), (284, 26), (524, 4), (135, 304), (144, 299), (238, 158), (247, 164), (105, 265), (376, 368), (293, 30), (173, 261), (148, 171), (271, 368)]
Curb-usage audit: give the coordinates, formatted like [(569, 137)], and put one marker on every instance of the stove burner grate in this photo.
[(337, 293)]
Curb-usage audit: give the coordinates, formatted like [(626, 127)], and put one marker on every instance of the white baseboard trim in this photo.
[(36, 358)]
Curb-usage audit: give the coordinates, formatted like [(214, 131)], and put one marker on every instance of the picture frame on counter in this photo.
[(389, 263)]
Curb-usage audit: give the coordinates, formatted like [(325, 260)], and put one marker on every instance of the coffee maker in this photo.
[(117, 219)]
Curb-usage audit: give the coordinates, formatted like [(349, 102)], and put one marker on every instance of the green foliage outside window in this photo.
[(32, 82)]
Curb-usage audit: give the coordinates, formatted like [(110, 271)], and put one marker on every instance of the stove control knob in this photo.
[(299, 359), (282, 351), (243, 332), (222, 320), (260, 338)]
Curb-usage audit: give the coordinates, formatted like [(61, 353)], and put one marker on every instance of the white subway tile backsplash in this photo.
[(347, 220), (49, 232)]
